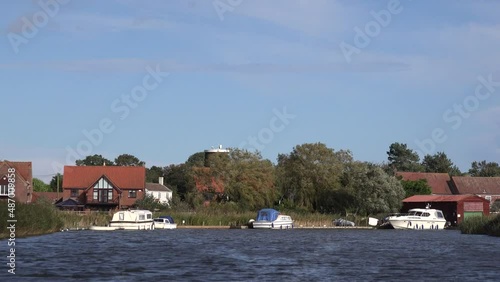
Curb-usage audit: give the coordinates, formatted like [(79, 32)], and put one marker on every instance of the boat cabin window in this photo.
[(149, 216), (121, 216), (415, 213), (426, 214), (439, 214), (141, 217)]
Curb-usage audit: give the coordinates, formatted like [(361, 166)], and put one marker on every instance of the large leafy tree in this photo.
[(484, 169), (440, 162), (401, 158), (94, 160), (40, 186), (128, 160), (56, 182), (308, 173), (153, 174), (418, 187), (248, 178), (196, 159), (179, 177), (372, 190)]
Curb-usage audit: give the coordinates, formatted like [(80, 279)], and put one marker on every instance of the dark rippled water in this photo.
[(257, 255)]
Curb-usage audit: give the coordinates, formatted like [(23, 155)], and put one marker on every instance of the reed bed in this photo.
[(486, 225)]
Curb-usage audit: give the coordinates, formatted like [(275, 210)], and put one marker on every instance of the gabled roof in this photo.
[(24, 169), (124, 177), (442, 198), (157, 187), (477, 185), (439, 182), (51, 196)]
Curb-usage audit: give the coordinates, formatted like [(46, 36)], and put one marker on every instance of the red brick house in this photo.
[(23, 176), (103, 187)]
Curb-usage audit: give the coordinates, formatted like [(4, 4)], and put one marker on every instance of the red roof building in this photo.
[(104, 187), (486, 187), (19, 173), (440, 183)]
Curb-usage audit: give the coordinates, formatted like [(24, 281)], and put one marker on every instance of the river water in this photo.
[(256, 255)]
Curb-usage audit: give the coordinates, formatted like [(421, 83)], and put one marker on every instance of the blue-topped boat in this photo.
[(272, 219)]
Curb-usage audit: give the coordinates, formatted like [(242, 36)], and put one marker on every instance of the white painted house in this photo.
[(159, 191)]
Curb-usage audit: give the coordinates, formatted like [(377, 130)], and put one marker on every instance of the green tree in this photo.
[(180, 178), (58, 178), (484, 169), (440, 163), (40, 186), (247, 178), (373, 190), (94, 160), (153, 174), (401, 158), (128, 160), (196, 159), (418, 187), (308, 173)]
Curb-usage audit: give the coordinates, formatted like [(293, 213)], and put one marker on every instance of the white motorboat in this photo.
[(272, 219), (132, 220), (419, 219), (165, 222)]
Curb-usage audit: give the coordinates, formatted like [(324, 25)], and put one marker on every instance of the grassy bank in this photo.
[(43, 218), (486, 225)]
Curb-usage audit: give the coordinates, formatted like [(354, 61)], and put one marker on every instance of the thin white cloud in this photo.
[(138, 65)]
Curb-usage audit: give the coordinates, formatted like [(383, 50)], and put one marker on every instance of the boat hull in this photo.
[(165, 225), (103, 228), (272, 225), (147, 225), (415, 224)]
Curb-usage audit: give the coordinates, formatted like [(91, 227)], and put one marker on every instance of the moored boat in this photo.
[(419, 219), (272, 219), (164, 222), (132, 220)]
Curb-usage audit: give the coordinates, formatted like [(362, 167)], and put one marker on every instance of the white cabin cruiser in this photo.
[(132, 220), (419, 219), (272, 219)]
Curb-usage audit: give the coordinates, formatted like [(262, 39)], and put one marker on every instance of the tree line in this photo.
[(312, 178)]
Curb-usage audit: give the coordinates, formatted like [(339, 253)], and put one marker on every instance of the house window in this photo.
[(74, 192), (4, 191), (4, 186), (103, 191), (132, 193)]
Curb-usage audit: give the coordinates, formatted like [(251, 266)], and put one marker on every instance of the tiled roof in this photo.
[(122, 176), (477, 185), (157, 187), (439, 182), (51, 196), (441, 198), (22, 168)]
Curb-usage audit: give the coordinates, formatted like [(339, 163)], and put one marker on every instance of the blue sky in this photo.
[(202, 73)]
